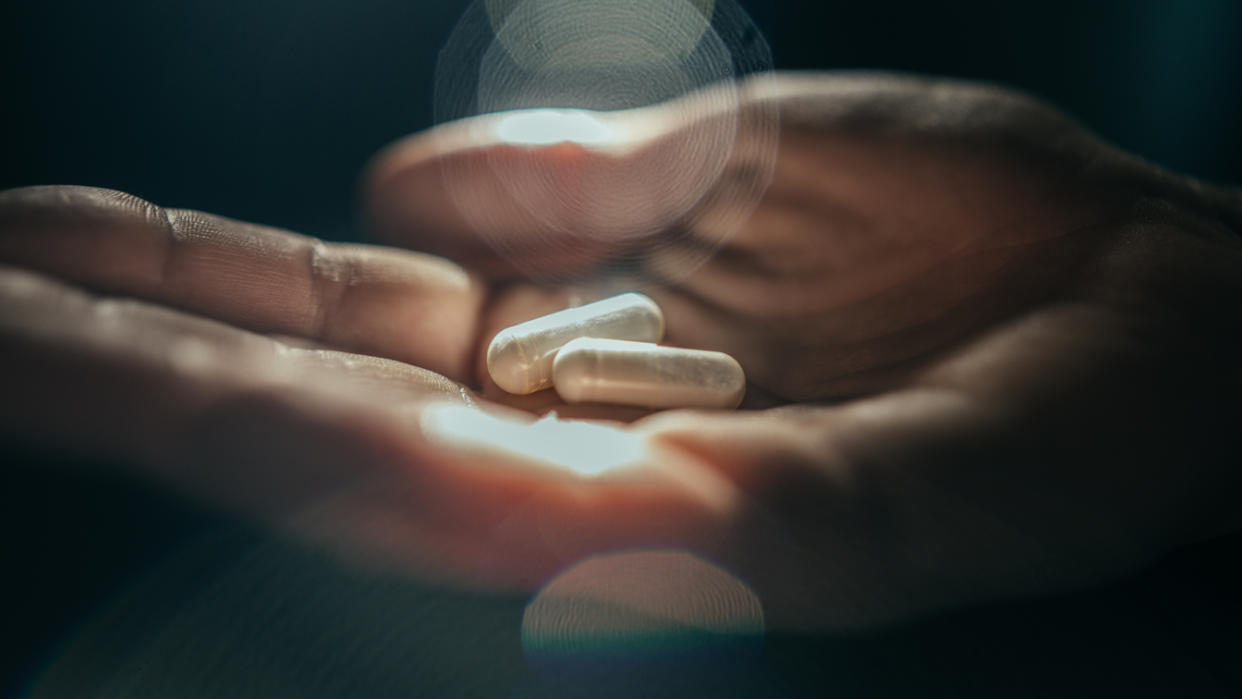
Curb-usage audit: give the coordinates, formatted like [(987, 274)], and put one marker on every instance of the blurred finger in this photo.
[(505, 198)]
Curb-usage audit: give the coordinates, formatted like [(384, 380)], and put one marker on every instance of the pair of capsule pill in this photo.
[(606, 352)]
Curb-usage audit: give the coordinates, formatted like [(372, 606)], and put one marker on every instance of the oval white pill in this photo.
[(519, 358), (596, 370)]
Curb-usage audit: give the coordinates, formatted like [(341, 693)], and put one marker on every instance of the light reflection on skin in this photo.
[(588, 449), (537, 127), (613, 133), (584, 448)]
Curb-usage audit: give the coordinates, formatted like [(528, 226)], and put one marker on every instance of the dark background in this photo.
[(267, 111)]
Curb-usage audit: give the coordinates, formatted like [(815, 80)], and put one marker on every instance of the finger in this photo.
[(409, 204), (410, 307), (499, 202), (108, 375)]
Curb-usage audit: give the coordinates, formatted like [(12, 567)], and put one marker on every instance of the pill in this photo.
[(597, 370), (519, 358)]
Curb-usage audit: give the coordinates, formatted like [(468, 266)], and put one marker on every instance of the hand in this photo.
[(1003, 353)]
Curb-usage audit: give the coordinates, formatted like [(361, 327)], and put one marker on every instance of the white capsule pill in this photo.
[(519, 358), (595, 370)]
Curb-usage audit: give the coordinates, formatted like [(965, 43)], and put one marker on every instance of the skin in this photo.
[(989, 356)]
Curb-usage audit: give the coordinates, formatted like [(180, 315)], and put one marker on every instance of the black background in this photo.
[(268, 110)]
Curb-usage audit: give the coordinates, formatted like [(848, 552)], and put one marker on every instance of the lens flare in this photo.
[(670, 155), (642, 604)]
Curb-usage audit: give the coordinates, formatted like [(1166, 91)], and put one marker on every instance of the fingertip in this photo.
[(511, 193), (404, 201)]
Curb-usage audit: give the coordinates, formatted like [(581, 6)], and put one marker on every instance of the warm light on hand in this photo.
[(584, 448)]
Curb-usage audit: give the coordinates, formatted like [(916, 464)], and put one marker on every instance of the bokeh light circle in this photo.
[(616, 609), (617, 130)]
